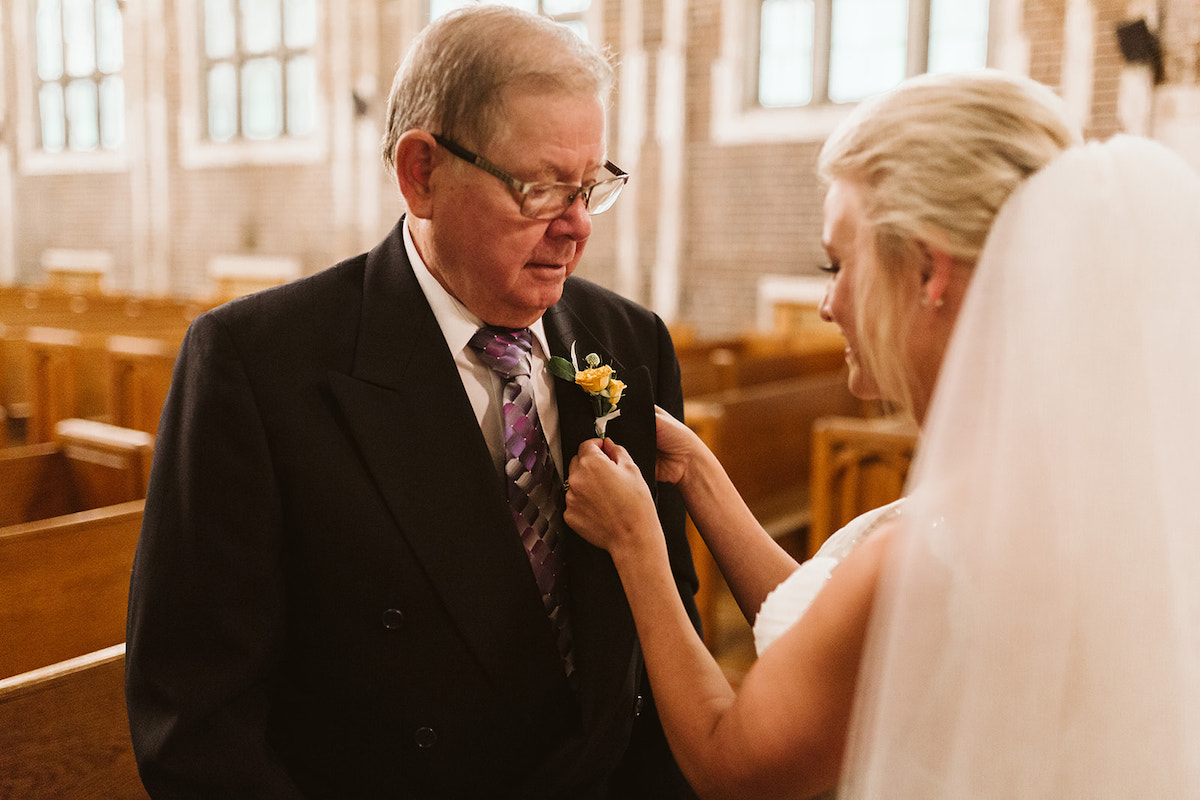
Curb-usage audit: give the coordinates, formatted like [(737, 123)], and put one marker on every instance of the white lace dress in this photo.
[(788, 601)]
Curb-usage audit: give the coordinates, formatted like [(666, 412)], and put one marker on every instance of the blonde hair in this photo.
[(935, 159), (453, 79)]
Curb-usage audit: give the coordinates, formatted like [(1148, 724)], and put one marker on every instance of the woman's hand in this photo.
[(676, 445), (608, 503)]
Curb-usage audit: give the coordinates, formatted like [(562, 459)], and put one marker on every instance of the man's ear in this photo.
[(414, 159)]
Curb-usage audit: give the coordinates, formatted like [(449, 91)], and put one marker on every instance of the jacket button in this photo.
[(425, 738), (393, 619), (637, 705)]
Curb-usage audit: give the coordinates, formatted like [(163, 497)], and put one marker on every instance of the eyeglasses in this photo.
[(541, 200)]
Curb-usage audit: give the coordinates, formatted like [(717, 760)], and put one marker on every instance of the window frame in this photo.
[(739, 118), (31, 158), (196, 150)]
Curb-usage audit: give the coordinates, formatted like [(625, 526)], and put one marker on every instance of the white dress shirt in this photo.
[(484, 387)]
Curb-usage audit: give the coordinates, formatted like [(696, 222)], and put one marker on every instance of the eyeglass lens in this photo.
[(546, 201)]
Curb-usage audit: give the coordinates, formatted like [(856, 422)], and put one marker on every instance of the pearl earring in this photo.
[(926, 303)]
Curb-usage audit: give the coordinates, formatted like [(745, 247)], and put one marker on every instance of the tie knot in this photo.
[(505, 350)]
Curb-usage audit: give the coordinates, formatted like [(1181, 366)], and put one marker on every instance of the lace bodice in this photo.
[(788, 601)]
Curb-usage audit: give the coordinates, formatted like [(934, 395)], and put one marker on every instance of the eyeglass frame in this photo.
[(522, 188)]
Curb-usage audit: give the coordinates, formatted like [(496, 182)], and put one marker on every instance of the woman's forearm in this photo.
[(690, 690), (751, 561)]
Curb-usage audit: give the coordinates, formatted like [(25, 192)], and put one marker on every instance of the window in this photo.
[(80, 92), (840, 51), (569, 12), (259, 77)]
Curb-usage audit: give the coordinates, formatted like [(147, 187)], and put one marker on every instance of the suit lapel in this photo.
[(407, 410), (605, 638)]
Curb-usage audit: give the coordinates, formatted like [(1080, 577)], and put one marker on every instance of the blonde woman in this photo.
[(916, 181)]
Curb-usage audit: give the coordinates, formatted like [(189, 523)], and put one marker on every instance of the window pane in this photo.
[(557, 7), (219, 39), (299, 23), (785, 54), (262, 99), (528, 5), (439, 7), (868, 48), (110, 40), (958, 32), (222, 102), (301, 96), (578, 27), (54, 131), (112, 112), (260, 25), (83, 118), (49, 40), (79, 33)]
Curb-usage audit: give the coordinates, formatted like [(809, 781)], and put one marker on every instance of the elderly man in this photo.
[(353, 578)]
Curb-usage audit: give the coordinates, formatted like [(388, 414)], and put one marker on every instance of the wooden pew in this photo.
[(89, 465), (762, 435), (111, 378), (64, 733), (54, 362), (139, 374), (64, 585), (752, 359), (53, 347), (857, 465)]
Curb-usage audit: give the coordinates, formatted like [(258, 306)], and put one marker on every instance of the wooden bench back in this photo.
[(64, 585), (35, 483), (54, 351), (88, 465), (64, 732), (762, 435), (140, 371), (858, 465), (751, 360), (56, 368), (108, 464)]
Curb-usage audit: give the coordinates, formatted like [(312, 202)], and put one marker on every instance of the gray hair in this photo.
[(453, 80)]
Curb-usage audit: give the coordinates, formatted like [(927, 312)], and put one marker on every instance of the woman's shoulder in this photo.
[(841, 543), (788, 601)]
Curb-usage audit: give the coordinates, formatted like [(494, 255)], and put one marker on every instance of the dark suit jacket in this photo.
[(329, 598)]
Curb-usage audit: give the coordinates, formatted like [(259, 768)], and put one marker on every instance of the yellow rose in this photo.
[(613, 393), (594, 380)]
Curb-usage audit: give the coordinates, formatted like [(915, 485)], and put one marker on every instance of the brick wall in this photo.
[(747, 209)]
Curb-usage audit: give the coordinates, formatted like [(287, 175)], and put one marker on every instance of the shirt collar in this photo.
[(457, 322)]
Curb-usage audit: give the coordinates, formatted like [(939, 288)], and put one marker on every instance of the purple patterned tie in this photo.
[(534, 492)]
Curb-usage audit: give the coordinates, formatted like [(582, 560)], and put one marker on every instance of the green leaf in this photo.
[(561, 368)]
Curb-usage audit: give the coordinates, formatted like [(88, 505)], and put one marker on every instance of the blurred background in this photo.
[(201, 148)]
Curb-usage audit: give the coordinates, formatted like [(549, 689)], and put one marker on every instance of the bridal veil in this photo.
[(1037, 630)]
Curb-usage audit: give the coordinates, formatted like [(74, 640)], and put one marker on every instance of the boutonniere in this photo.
[(597, 380)]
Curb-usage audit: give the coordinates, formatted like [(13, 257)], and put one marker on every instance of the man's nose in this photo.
[(575, 222)]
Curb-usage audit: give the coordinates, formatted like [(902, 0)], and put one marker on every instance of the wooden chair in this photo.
[(64, 585), (857, 465), (64, 732)]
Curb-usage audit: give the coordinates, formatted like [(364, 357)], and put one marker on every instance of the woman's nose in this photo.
[(823, 308)]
